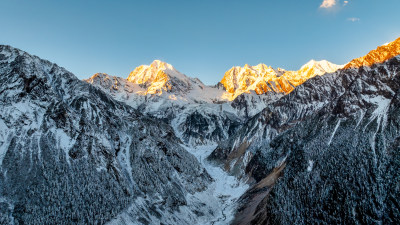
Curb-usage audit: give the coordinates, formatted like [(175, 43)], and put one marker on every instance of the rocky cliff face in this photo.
[(160, 76), (379, 55), (204, 114), (196, 118), (340, 163), (325, 153), (318, 146), (69, 153), (265, 80)]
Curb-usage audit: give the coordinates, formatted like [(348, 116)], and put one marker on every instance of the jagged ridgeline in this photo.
[(70, 154), (202, 114), (264, 146), (327, 153)]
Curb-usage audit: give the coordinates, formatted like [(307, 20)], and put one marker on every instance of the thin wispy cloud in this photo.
[(345, 3), (353, 19), (326, 4)]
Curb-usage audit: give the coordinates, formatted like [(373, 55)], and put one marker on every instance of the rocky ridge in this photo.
[(137, 150), (379, 55), (263, 79), (327, 149), (70, 153), (199, 113)]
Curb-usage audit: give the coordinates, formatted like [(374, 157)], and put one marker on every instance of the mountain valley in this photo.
[(264, 146)]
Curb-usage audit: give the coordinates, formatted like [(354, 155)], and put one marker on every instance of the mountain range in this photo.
[(264, 146)]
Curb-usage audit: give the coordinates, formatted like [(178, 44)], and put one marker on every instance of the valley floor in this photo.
[(222, 193), (215, 205)]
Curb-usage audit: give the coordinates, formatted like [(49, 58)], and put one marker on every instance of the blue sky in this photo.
[(199, 38)]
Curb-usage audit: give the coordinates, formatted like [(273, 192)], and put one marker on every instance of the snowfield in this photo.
[(223, 192), (215, 205)]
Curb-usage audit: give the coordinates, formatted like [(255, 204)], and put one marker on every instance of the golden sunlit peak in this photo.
[(158, 62), (320, 67), (161, 65), (263, 78), (262, 66), (379, 55), (155, 77), (97, 76)]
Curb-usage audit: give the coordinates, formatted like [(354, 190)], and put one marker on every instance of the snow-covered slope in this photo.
[(162, 78), (306, 100), (263, 79), (155, 148), (196, 120), (199, 113), (71, 154), (329, 149), (379, 55)]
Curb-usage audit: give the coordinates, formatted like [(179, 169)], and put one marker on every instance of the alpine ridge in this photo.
[(263, 79), (320, 145), (192, 108), (313, 151), (379, 55), (70, 153), (157, 77)]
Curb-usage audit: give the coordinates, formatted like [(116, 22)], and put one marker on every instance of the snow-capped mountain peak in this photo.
[(158, 82), (156, 138), (238, 80), (320, 67), (158, 77), (379, 55), (264, 79)]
